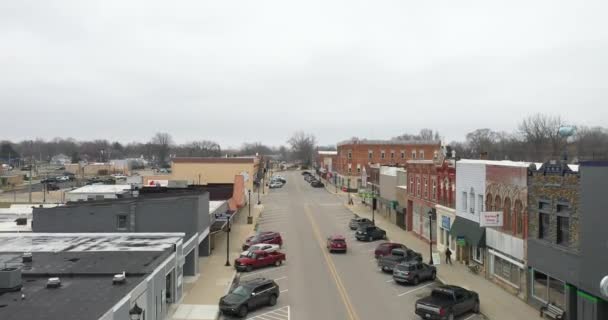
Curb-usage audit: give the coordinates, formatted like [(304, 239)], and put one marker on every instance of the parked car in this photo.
[(259, 259), (309, 178), (317, 184), (397, 256), (336, 243), (357, 222), (305, 173), (261, 246), (250, 295), (413, 272), (269, 237), (52, 187), (370, 233), (385, 248), (62, 178), (279, 178), (275, 185), (48, 180), (446, 302)]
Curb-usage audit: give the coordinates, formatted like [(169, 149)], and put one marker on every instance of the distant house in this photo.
[(60, 160)]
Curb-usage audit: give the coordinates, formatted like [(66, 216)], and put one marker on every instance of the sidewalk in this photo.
[(202, 293), (496, 303)]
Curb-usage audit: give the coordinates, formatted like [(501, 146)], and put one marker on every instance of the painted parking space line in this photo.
[(281, 278), (278, 314), (415, 289), (389, 281), (250, 274), (283, 291)]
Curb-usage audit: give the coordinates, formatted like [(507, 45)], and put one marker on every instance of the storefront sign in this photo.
[(436, 258), (461, 241), (445, 222), (491, 219)]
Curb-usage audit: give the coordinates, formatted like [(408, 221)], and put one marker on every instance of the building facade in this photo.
[(430, 182), (354, 155), (203, 171)]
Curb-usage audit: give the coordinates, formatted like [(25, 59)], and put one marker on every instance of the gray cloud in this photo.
[(259, 70)]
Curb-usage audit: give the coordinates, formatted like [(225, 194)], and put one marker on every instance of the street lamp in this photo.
[(374, 203), (259, 202), (249, 218), (228, 243), (430, 213)]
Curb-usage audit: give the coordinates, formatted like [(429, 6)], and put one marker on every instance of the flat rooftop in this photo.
[(87, 242), (102, 188)]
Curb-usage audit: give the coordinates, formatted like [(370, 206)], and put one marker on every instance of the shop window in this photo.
[(548, 289), (497, 203), (543, 225), (382, 155), (477, 254), (418, 187), (434, 194), (506, 271), (563, 231), (426, 188)]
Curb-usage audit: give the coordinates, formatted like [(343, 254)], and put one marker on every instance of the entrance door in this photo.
[(401, 219)]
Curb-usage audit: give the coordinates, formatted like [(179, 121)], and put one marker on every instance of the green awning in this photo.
[(470, 230)]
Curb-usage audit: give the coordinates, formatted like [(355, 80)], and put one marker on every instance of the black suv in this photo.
[(370, 233), (250, 295)]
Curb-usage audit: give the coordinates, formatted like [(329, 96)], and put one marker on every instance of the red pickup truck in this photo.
[(259, 259)]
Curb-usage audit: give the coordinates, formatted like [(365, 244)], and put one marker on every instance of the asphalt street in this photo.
[(315, 284)]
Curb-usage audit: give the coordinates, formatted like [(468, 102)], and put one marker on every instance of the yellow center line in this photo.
[(352, 315)]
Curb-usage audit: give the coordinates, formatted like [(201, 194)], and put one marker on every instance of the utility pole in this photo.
[(30, 184), (431, 237)]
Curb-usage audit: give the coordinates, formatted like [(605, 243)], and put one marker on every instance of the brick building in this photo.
[(355, 156), (325, 163), (430, 183)]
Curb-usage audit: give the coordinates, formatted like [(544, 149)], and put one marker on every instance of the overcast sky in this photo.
[(236, 71)]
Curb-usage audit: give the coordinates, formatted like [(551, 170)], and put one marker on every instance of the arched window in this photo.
[(497, 203), (489, 202), (472, 201), (519, 217), (506, 209)]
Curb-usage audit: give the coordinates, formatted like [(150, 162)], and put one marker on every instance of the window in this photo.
[(402, 154), (426, 188), (489, 202), (506, 271), (506, 210), (548, 289), (411, 185), (563, 208), (464, 201), (472, 201), (477, 254), (358, 169), (414, 155), (370, 155), (418, 186), (392, 155), (421, 154), (543, 225), (497, 203), (350, 155), (544, 206), (350, 170), (382, 155), (519, 217), (121, 222), (563, 231), (434, 194), (480, 202)]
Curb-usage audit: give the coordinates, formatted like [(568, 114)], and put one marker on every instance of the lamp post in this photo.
[(249, 218), (373, 205), (228, 244), (259, 185), (430, 213)]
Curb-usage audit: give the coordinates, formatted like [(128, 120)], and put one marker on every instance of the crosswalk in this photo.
[(277, 314)]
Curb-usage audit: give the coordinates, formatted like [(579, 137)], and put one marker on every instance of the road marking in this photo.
[(469, 317), (407, 292), (281, 278), (389, 281), (260, 272), (352, 315), (283, 313), (283, 291)]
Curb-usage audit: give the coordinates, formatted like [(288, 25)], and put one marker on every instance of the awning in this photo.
[(470, 230)]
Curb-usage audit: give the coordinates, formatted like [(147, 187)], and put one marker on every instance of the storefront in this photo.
[(470, 241), (421, 222), (506, 261), (445, 218)]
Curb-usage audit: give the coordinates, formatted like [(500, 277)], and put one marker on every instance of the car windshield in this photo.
[(338, 240), (242, 291)]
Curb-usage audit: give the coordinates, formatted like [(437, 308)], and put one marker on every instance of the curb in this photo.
[(232, 282)]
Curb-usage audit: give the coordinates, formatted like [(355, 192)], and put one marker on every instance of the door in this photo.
[(257, 299)]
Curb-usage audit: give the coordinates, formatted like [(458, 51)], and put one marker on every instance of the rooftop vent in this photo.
[(27, 257), (21, 221), (10, 279), (53, 283), (119, 278)]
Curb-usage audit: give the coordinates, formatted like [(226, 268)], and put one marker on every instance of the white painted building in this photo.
[(99, 192)]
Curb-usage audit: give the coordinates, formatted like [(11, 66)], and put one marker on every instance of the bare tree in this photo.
[(162, 142), (425, 134), (303, 147), (253, 148), (540, 132), (201, 148)]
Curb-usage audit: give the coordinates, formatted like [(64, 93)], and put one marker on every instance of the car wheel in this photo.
[(249, 268), (416, 280), (243, 311), (272, 301), (476, 307), (277, 263), (433, 276)]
